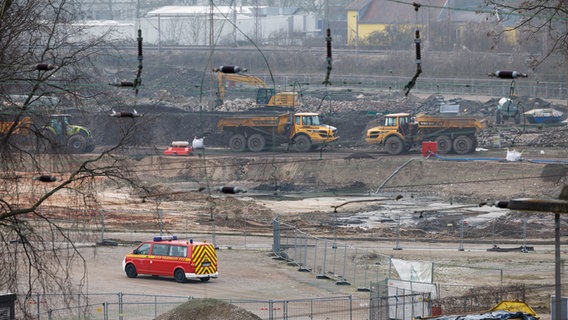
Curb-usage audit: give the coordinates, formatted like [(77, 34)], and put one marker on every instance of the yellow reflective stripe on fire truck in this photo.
[(205, 259), (160, 257)]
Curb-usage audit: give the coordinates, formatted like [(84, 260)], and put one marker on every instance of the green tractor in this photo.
[(59, 134), (507, 109)]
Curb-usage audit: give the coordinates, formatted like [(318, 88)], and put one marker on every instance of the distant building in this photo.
[(365, 17), (198, 26), (191, 25)]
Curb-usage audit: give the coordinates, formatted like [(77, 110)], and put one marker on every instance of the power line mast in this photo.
[(257, 22), (211, 45), (234, 18)]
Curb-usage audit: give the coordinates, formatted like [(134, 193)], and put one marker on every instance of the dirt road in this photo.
[(253, 274)]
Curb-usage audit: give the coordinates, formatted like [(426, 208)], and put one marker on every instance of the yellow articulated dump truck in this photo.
[(255, 131), (401, 132)]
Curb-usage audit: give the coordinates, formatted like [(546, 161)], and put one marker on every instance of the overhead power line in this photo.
[(488, 10)]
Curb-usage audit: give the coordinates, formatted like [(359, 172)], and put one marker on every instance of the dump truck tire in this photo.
[(394, 145), (444, 144), (302, 143), (463, 145), (256, 142), (238, 142), (76, 144)]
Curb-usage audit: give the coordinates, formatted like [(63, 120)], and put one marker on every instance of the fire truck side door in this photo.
[(142, 260), (159, 264)]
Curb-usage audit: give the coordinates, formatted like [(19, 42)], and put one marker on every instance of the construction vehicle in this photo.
[(265, 97), (62, 135), (57, 134), (502, 310), (401, 132), (507, 109), (21, 127), (253, 131)]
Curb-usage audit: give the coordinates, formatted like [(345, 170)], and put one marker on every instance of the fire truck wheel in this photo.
[(179, 275), (238, 142), (131, 271), (204, 279), (444, 144)]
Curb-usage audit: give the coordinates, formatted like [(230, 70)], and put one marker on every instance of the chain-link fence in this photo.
[(490, 87), (387, 302), (330, 259), (139, 306), (365, 269), (361, 267)]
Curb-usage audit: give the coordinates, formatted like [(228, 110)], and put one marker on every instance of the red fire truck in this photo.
[(170, 257)]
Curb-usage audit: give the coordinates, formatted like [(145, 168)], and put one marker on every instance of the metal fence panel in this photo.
[(330, 259), (125, 306)]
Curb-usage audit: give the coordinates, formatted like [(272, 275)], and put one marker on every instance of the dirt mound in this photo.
[(207, 309)]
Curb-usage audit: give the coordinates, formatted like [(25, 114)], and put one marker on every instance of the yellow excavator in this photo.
[(265, 97)]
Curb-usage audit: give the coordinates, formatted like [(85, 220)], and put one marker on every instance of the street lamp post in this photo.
[(556, 206)]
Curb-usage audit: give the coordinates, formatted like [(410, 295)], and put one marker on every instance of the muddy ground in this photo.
[(302, 189)]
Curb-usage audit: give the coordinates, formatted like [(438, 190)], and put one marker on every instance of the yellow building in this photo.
[(367, 16)]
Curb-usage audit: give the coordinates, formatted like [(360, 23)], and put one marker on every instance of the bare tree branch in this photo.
[(47, 57), (536, 19)]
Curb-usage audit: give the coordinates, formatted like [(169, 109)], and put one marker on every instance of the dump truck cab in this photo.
[(308, 131), (393, 134)]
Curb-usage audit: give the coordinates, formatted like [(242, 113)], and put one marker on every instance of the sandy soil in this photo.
[(252, 273), (248, 270)]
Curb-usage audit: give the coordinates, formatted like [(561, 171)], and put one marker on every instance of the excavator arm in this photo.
[(250, 80)]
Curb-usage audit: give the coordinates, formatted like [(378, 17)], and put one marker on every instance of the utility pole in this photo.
[(211, 48), (257, 22), (557, 207)]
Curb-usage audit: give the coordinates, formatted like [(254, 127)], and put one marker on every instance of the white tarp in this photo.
[(413, 270)]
